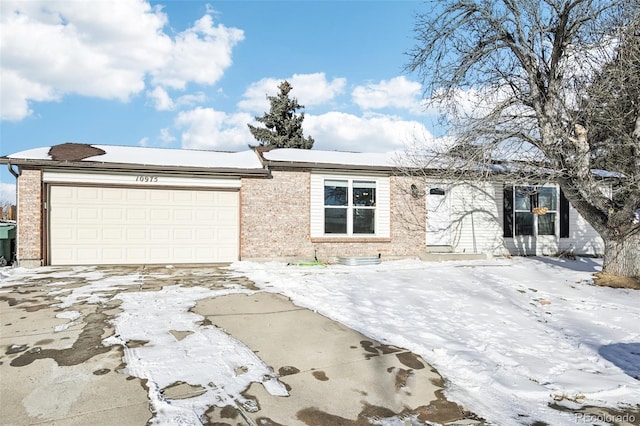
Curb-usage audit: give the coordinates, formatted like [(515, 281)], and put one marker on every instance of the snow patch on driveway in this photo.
[(207, 357)]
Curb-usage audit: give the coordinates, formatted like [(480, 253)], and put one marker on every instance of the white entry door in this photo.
[(438, 216)]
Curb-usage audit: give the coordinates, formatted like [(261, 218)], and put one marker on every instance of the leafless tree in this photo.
[(539, 83)]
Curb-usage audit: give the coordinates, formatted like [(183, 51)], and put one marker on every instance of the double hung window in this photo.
[(349, 206), (534, 211)]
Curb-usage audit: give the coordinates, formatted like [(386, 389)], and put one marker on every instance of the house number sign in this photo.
[(147, 179)]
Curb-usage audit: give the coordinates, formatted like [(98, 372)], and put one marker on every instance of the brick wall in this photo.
[(408, 217), (275, 216), (29, 235), (275, 222)]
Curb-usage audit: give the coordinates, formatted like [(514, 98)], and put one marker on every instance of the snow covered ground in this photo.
[(510, 336)]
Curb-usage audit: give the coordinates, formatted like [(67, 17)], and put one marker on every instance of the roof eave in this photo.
[(327, 166), (105, 167)]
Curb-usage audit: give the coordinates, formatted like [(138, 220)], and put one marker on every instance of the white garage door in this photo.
[(98, 225)]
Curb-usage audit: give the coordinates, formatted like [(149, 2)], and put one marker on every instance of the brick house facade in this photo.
[(284, 204), (276, 222)]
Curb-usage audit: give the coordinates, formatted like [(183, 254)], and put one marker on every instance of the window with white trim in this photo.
[(349, 207)]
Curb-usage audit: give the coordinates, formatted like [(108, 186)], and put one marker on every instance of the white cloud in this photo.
[(191, 99), (16, 93), (166, 137), (399, 92), (309, 89), (374, 133), (7, 193), (200, 55), (103, 49), (160, 99), (206, 128)]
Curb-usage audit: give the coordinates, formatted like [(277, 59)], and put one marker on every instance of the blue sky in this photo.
[(192, 74)]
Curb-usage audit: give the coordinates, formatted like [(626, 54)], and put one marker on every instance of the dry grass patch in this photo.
[(616, 281)]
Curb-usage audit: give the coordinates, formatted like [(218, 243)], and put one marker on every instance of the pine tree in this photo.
[(283, 127)]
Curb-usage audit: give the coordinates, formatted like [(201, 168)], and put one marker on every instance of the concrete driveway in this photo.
[(61, 363)]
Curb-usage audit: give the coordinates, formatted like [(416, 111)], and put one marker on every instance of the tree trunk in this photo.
[(622, 257)]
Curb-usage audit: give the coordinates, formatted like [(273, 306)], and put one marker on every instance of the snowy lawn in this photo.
[(510, 336)]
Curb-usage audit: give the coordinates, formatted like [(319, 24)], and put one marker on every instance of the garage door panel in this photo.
[(110, 214), (135, 215), (160, 235), (100, 225), (183, 215), (87, 194), (88, 213), (115, 234), (62, 213), (160, 196), (113, 194), (160, 214), (88, 234), (113, 253)]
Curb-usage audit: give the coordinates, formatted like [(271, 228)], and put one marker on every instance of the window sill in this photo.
[(358, 239)]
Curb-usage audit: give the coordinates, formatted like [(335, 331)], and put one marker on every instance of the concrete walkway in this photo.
[(335, 375)]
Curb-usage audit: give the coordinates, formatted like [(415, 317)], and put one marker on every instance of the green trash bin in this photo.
[(7, 242)]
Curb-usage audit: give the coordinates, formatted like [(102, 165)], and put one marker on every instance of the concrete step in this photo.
[(439, 249), (442, 257)]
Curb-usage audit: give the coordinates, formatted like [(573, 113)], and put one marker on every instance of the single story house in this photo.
[(84, 204)]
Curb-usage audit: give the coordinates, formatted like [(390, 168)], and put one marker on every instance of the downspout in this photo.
[(13, 172)]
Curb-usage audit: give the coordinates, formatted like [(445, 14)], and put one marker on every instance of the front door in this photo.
[(438, 216)]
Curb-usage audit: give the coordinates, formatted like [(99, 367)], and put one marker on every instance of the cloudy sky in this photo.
[(192, 74)]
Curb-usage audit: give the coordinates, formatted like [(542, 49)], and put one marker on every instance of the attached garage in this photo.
[(85, 204), (97, 225)]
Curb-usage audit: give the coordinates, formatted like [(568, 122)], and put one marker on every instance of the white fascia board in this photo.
[(144, 179)]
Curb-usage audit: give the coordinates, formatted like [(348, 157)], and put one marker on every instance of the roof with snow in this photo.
[(248, 162), (121, 157), (114, 156), (306, 158)]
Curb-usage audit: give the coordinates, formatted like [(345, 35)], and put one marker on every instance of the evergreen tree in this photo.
[(283, 127)]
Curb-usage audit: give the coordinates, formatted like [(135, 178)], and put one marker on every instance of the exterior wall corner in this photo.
[(30, 236)]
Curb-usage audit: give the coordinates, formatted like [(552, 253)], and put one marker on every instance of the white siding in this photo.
[(476, 215), (317, 205), (383, 204), (583, 239), (477, 218)]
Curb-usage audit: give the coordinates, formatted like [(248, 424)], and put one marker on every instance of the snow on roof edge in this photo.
[(135, 155)]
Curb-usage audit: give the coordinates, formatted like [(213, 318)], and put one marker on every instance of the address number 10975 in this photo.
[(147, 179)]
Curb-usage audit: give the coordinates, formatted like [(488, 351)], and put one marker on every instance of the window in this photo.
[(523, 216), (349, 206), (548, 205), (530, 210)]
